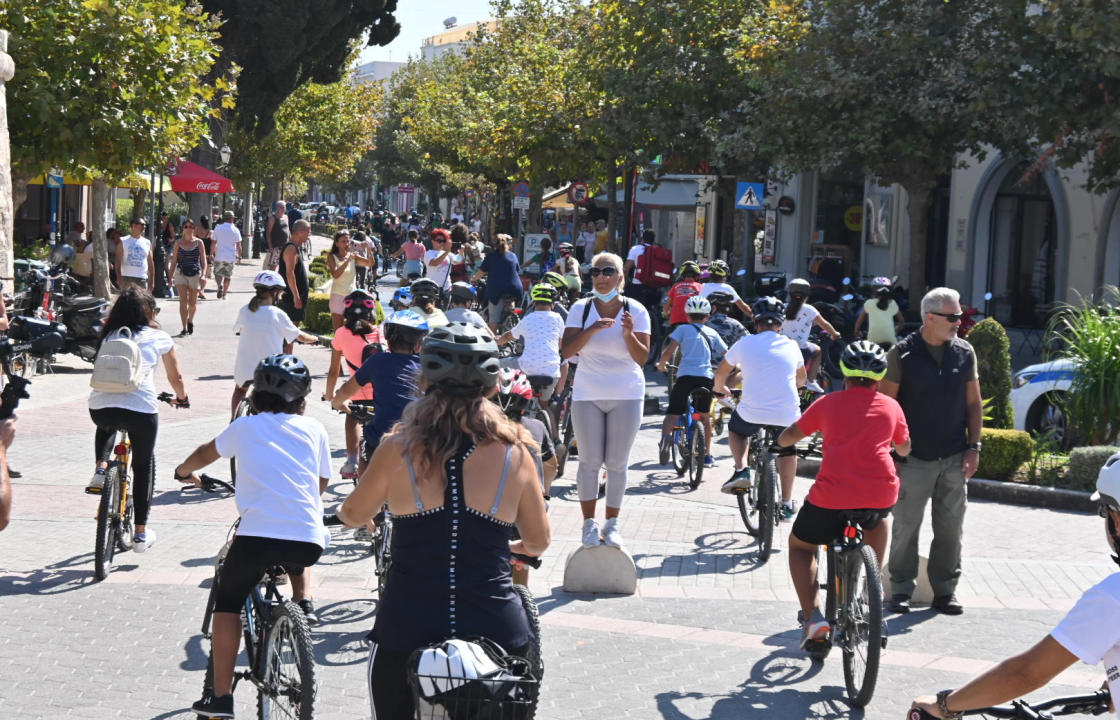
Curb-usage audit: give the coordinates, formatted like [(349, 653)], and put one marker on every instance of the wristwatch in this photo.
[(973, 446), (943, 707)]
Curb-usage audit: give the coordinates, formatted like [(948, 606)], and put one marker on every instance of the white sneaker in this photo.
[(727, 403), (349, 470), (590, 533), (741, 480), (611, 534), (144, 540), (812, 386), (97, 482)]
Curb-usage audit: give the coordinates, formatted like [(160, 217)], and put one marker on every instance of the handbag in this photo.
[(473, 679)]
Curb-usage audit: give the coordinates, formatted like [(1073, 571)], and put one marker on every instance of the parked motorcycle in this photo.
[(48, 296)]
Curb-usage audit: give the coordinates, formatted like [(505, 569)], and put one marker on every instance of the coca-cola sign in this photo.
[(203, 186)]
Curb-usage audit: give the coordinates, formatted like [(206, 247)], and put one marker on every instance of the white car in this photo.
[(1036, 397)]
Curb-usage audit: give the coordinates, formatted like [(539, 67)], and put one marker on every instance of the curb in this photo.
[(1030, 495)]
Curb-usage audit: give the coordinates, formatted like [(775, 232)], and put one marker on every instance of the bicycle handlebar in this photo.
[(533, 562), (173, 401), (1089, 704), (332, 520)]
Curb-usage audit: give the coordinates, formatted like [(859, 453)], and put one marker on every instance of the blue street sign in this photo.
[(749, 195), (54, 181), (521, 189)]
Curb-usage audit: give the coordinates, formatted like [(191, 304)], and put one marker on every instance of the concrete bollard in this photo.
[(602, 569)]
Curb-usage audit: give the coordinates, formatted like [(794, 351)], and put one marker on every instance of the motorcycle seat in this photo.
[(84, 302)]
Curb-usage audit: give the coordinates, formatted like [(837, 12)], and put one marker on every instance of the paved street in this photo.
[(709, 634)]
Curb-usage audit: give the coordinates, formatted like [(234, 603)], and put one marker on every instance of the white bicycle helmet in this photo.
[(268, 279), (799, 286), (697, 305), (1108, 483)]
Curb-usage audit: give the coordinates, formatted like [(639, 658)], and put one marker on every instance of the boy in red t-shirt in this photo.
[(857, 473), (687, 285)]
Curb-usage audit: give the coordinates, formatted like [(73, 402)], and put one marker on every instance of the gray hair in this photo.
[(938, 298), (608, 257)]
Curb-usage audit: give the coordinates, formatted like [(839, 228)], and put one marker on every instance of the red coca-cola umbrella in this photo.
[(187, 176)]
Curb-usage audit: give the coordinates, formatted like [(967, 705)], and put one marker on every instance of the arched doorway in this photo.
[(1108, 244)]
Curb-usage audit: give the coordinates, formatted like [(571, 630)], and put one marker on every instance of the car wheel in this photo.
[(1047, 418)]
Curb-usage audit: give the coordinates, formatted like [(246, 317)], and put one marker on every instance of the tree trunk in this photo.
[(139, 205), (536, 200), (919, 193), (612, 207), (19, 194), (7, 207), (98, 199)]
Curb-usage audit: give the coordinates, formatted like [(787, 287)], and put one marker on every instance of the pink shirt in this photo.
[(414, 251), (351, 347)]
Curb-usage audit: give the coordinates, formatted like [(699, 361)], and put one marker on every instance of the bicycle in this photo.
[(114, 531), (1089, 704), (721, 413), (564, 432), (853, 609), (537, 408), (277, 644), (689, 443), (760, 502)]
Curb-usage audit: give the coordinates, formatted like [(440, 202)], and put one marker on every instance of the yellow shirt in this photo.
[(600, 241)]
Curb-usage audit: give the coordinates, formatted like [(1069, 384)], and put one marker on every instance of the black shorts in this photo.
[(684, 388), (820, 526), (250, 557), (739, 426), (810, 352)]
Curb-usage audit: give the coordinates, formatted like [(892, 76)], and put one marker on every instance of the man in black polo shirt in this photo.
[(932, 373)]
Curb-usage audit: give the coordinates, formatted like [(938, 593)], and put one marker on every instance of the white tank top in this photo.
[(344, 283), (135, 256)]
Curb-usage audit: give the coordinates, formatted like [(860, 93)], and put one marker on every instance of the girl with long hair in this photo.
[(187, 267), (341, 262), (358, 337)]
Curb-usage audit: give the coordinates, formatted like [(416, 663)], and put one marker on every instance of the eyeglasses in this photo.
[(367, 303), (951, 317), (604, 271)]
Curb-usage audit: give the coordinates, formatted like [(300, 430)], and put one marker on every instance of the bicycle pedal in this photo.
[(93, 491)]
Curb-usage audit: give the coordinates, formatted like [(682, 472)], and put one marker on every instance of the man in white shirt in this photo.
[(135, 265), (773, 370), (1090, 632), (226, 252)]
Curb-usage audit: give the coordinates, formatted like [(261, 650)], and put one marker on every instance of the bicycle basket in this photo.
[(471, 680)]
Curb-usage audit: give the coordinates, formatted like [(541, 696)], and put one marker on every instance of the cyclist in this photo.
[(859, 426), (717, 282), (392, 374), (136, 412), (284, 464), (883, 317), (542, 331), (568, 267), (557, 281), (457, 476), (772, 370), (413, 251), (686, 287), (402, 299), (462, 298), (265, 330), (425, 295), (799, 319), (702, 349), (354, 342), (729, 329), (502, 271), (1090, 632)]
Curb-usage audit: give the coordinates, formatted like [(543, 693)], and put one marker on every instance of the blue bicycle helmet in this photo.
[(403, 296)]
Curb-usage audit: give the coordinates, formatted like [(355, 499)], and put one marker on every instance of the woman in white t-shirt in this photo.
[(284, 464), (264, 329), (437, 261), (800, 317), (611, 335), (136, 412)]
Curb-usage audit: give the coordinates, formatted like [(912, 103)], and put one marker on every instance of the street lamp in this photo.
[(224, 154)]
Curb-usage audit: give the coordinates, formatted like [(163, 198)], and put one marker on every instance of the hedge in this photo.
[(317, 315), (326, 229), (1004, 451), (1085, 463), (993, 360)]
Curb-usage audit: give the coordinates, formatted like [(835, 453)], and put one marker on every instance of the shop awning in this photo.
[(187, 176), (669, 193), (133, 181), (557, 199)]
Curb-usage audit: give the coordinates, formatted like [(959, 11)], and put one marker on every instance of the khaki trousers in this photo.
[(921, 481)]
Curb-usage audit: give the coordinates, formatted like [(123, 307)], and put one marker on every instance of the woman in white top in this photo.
[(341, 263), (264, 329), (882, 315), (799, 320), (611, 335), (136, 412)]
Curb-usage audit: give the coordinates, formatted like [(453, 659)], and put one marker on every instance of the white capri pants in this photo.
[(605, 431)]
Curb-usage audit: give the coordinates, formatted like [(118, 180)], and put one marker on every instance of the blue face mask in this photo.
[(606, 297)]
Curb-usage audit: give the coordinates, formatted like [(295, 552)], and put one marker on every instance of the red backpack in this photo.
[(654, 267)]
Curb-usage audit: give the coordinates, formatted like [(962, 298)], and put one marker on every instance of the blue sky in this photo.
[(423, 18)]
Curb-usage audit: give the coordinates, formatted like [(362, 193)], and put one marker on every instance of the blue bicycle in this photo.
[(688, 445)]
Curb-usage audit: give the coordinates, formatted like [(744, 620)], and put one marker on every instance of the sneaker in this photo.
[(190, 328), (814, 631), (788, 510), (709, 461), (727, 403), (214, 707), (308, 608), (663, 449), (741, 480), (349, 470), (142, 541), (220, 294), (590, 533), (899, 604), (97, 482), (812, 386), (611, 534)]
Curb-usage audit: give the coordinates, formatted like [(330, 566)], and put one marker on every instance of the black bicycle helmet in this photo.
[(463, 291), (863, 359), (721, 299), (460, 358), (424, 290), (358, 305), (768, 309), (283, 375)]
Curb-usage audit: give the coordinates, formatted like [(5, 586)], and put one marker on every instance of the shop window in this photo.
[(1022, 250)]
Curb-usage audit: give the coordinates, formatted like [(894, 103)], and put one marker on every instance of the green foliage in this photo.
[(1089, 333), (318, 308), (1004, 451), (993, 360), (1085, 463), (325, 229), (1046, 463)]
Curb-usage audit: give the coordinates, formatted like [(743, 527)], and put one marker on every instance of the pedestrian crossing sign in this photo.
[(749, 195)]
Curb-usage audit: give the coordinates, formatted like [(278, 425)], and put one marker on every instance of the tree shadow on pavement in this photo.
[(60, 577), (187, 495), (717, 553), (658, 479), (334, 646)]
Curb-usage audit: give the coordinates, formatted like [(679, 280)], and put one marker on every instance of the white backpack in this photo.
[(119, 367)]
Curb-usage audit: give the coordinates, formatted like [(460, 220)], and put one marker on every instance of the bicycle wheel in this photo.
[(287, 687), (748, 508), (535, 656), (862, 624), (767, 505), (679, 447), (126, 530), (105, 541), (382, 556), (696, 451)]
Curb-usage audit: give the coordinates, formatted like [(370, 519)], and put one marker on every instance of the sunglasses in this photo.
[(188, 227), (367, 303), (604, 271), (951, 317)]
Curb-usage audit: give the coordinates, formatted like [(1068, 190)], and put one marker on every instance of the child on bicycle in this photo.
[(859, 427), (542, 330), (284, 462), (357, 339), (701, 351), (463, 296), (264, 329), (425, 295), (687, 286)]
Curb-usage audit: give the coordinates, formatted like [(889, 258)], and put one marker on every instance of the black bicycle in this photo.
[(1089, 704), (277, 644), (853, 609), (760, 502), (564, 432)]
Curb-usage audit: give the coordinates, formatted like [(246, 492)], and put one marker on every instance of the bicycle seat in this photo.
[(860, 518), (81, 303), (540, 381)]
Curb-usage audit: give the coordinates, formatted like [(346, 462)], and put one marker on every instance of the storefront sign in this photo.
[(770, 238), (701, 229), (786, 205), (853, 218)]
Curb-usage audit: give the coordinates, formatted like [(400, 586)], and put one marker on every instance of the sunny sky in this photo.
[(423, 18)]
